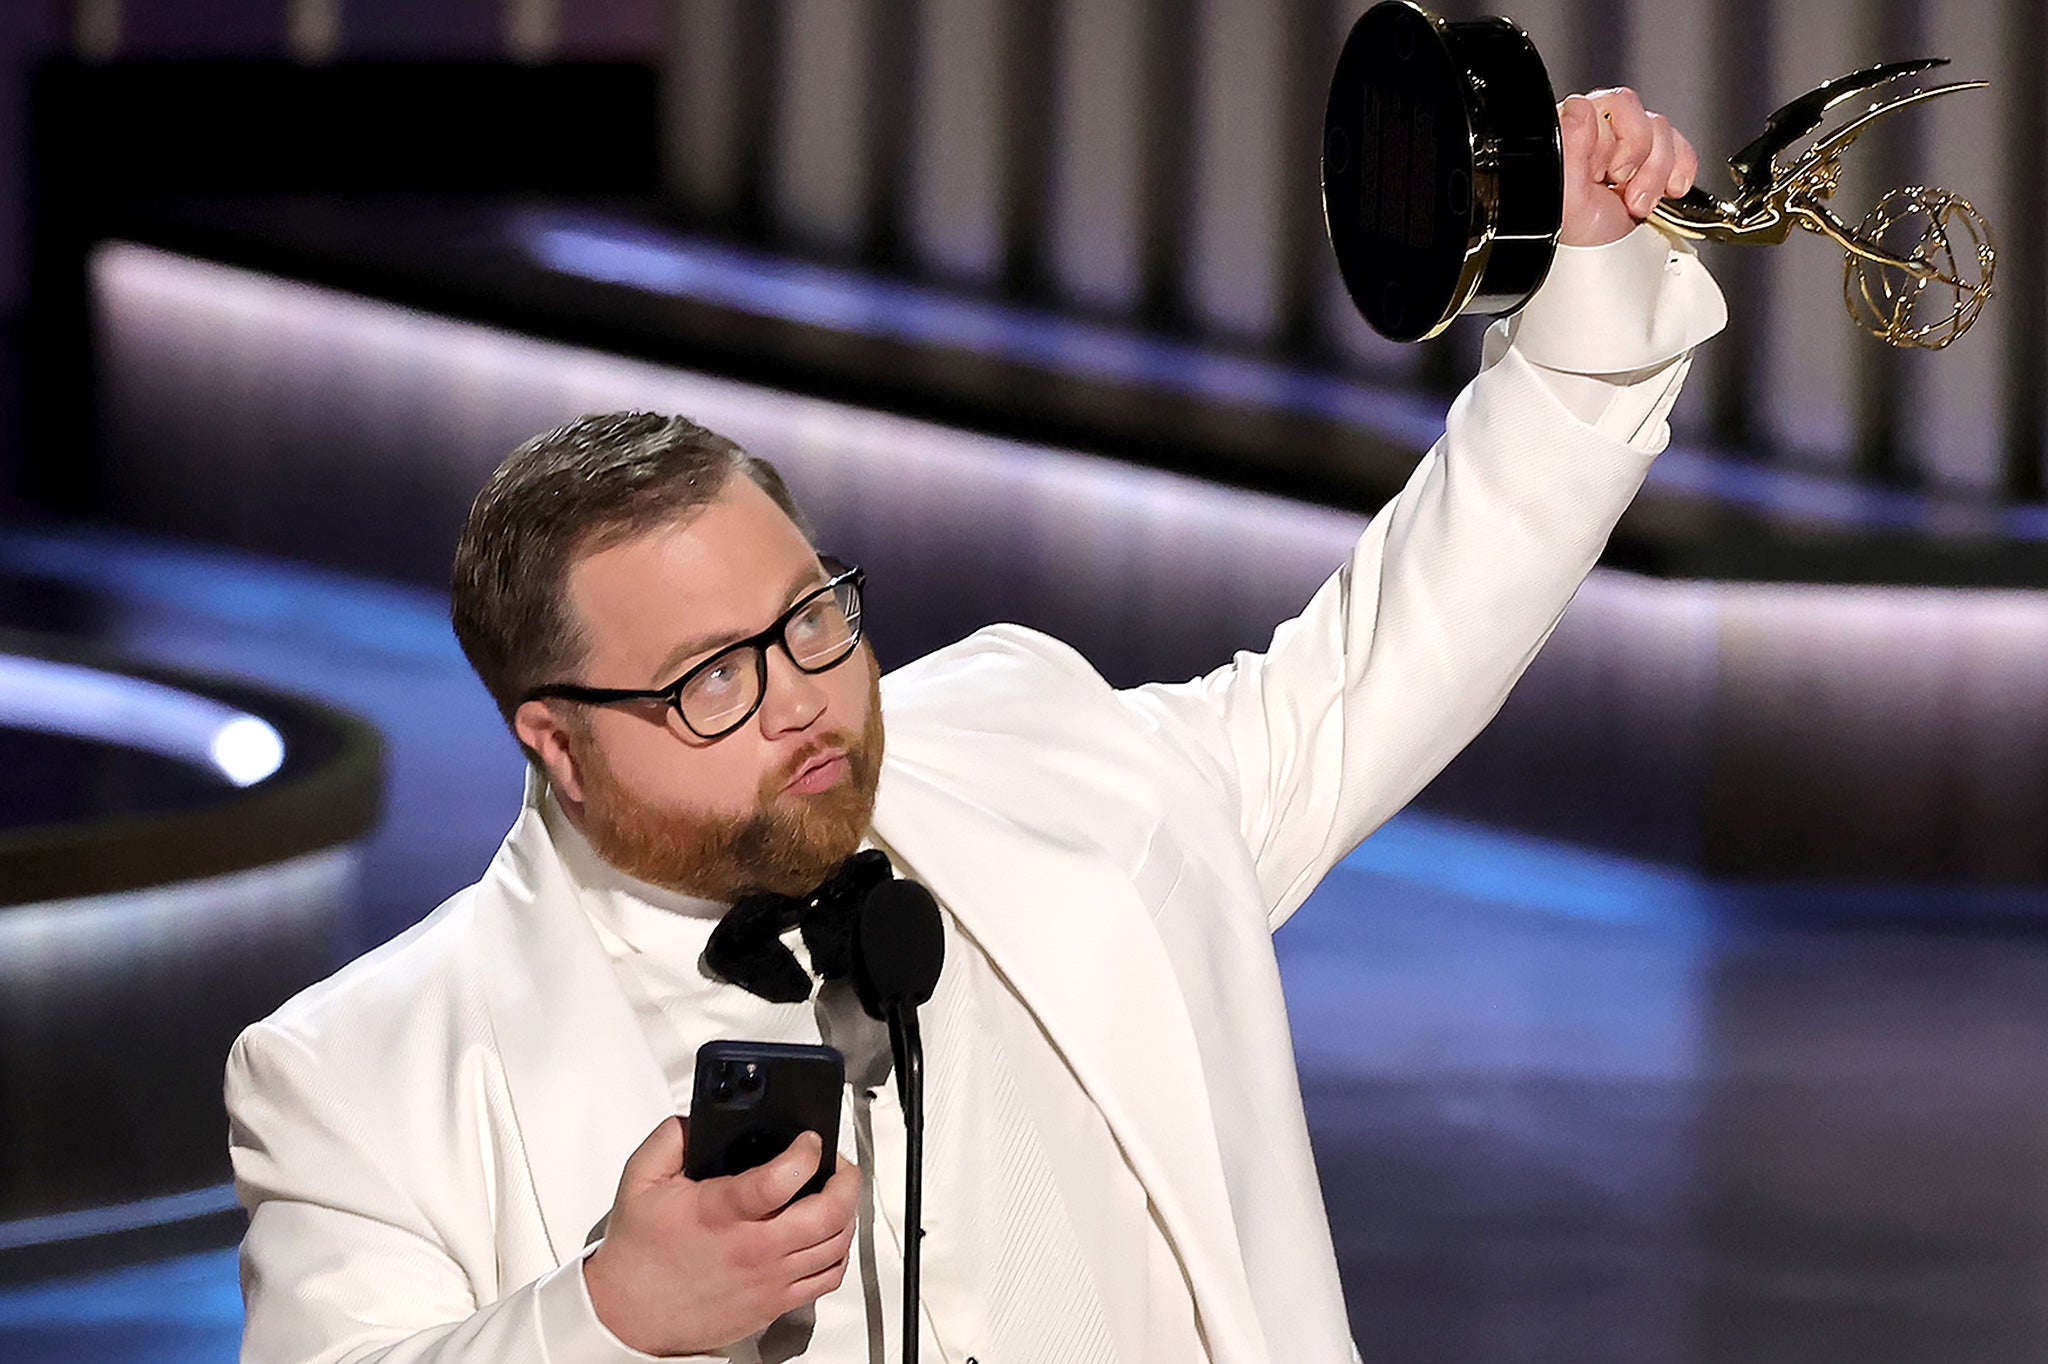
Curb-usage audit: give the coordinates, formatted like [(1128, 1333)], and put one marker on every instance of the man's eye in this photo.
[(722, 675)]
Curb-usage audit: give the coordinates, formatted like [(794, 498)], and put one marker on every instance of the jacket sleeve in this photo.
[(342, 1264), (1410, 649)]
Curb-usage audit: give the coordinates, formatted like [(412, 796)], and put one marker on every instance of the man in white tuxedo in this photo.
[(465, 1146)]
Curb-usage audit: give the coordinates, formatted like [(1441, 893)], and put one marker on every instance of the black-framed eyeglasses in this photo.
[(715, 697)]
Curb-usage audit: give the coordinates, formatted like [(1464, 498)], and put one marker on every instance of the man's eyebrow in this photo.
[(673, 664)]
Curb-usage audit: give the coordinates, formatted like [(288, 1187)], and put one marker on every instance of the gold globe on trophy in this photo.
[(1932, 273)]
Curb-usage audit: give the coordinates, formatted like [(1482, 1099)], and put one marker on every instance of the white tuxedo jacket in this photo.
[(426, 1139)]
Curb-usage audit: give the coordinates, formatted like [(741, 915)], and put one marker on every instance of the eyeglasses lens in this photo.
[(819, 633), (722, 692), (824, 629)]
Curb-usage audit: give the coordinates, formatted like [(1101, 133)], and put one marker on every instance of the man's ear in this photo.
[(547, 735)]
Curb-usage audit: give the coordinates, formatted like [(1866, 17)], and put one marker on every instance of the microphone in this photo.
[(899, 945)]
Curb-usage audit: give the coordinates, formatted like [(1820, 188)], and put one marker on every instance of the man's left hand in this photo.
[(1619, 160)]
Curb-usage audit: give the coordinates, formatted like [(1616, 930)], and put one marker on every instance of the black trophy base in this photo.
[(1443, 174)]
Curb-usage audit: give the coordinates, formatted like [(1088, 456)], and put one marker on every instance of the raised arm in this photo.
[(1407, 652)]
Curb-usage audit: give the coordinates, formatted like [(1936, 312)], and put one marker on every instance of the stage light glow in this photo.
[(247, 750), (162, 1211), (65, 698)]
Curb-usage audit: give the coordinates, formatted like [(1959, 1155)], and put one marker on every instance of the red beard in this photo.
[(788, 844)]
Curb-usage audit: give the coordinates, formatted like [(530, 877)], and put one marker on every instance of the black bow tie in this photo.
[(746, 948)]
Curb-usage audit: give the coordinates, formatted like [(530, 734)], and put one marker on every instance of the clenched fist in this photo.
[(1619, 160)]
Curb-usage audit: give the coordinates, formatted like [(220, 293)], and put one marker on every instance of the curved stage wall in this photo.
[(1750, 730), (177, 856)]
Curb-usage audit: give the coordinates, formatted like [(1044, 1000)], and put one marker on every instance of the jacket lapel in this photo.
[(1076, 942), (1063, 924), (584, 1087)]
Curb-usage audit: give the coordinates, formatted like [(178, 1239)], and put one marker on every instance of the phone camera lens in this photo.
[(749, 1080)]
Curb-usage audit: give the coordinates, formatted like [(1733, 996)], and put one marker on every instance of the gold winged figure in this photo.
[(1916, 270)]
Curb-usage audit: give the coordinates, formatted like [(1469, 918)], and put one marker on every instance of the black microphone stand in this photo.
[(907, 1050), (899, 948)]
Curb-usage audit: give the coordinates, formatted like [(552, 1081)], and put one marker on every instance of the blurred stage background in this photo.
[(1696, 1013)]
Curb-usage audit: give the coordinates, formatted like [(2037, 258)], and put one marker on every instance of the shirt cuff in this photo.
[(1611, 332), (1628, 306), (574, 1334)]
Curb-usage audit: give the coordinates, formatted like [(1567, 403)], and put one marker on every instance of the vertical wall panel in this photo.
[(956, 186), (1170, 76), (312, 30), (1600, 34), (819, 172), (1955, 429), (96, 28), (701, 139), (207, 28), (29, 31), (623, 29), (1307, 54), (1805, 382), (1662, 58), (1551, 24), (893, 61), (1884, 385), (1029, 60), (1098, 140), (532, 29), (408, 28), (1234, 284), (1739, 40), (2025, 275)]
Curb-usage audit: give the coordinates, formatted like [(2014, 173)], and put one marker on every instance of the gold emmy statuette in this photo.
[(1443, 186), (1916, 271)]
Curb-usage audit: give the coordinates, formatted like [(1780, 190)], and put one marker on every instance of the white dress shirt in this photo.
[(1001, 1204)]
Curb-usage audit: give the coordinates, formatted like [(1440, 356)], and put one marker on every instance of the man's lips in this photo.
[(819, 773)]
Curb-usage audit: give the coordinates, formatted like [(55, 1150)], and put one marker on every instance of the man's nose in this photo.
[(792, 699)]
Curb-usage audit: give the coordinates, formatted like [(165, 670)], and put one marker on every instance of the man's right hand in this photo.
[(689, 1266)]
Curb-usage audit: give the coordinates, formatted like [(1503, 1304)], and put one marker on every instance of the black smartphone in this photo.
[(750, 1100)]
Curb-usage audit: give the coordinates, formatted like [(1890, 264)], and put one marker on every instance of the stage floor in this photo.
[(1567, 1107)]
